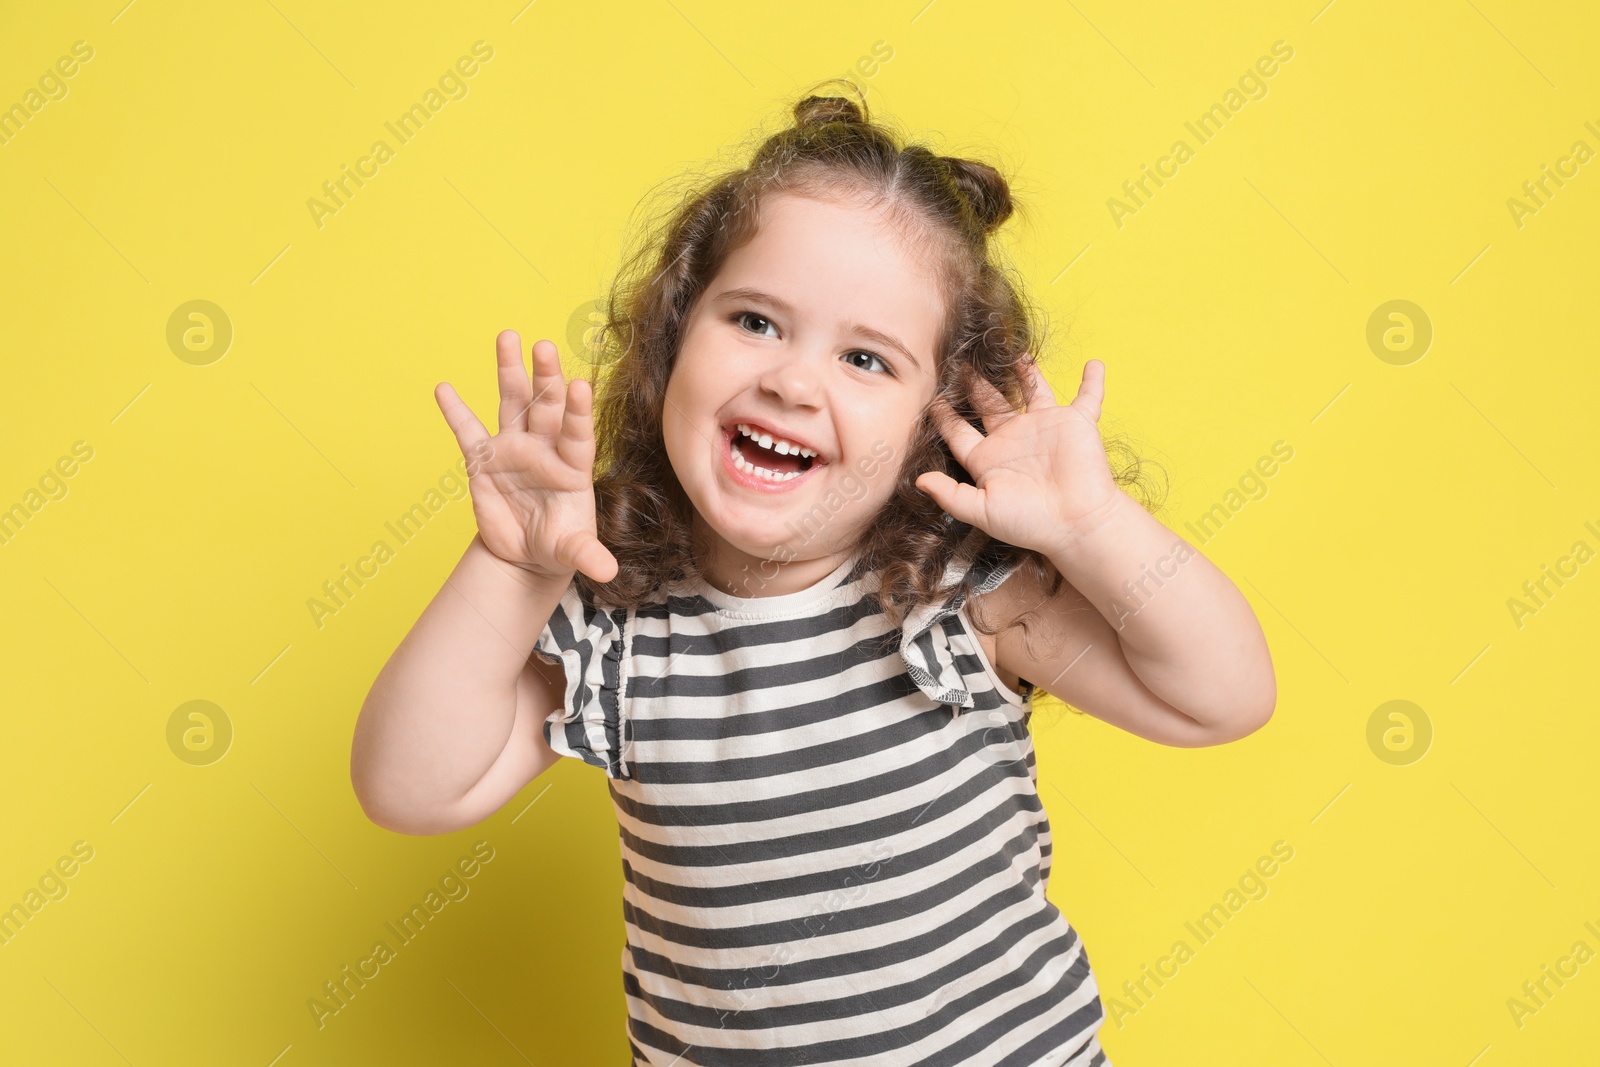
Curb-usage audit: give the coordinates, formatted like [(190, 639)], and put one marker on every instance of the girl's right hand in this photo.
[(532, 483)]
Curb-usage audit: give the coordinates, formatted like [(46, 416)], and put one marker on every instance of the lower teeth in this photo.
[(760, 472)]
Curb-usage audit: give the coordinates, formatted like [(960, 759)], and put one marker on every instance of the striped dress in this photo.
[(833, 847)]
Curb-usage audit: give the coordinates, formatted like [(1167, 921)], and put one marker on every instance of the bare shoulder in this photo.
[(1018, 594), (1073, 653), (988, 643), (1052, 620)]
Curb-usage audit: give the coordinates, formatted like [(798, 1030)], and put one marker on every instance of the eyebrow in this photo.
[(744, 292)]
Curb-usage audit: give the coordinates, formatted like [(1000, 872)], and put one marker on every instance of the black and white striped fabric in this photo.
[(833, 847)]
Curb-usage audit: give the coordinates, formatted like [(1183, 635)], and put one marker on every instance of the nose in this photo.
[(794, 377)]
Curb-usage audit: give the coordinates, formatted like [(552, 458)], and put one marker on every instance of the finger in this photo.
[(584, 552), (549, 390), (1042, 395), (576, 443), (959, 499), (596, 560), (1091, 394), (993, 407), (958, 433), (514, 389), (470, 433)]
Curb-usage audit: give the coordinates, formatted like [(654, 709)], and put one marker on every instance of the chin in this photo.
[(753, 532)]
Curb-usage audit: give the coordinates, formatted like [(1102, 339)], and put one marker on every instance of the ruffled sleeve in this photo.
[(940, 649), (591, 647)]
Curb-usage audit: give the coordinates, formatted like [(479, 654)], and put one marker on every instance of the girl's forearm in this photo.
[(442, 708), (1184, 628)]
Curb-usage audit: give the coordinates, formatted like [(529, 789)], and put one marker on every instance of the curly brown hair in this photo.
[(953, 206)]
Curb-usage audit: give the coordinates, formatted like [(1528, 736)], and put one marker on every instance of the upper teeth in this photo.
[(777, 444)]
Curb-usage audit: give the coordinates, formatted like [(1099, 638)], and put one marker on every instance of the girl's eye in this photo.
[(872, 355), (740, 317)]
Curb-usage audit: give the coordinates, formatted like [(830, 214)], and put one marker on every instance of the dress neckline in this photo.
[(757, 607)]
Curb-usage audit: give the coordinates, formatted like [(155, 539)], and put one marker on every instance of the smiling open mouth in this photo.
[(766, 461)]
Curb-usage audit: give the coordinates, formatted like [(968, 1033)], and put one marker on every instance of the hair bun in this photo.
[(820, 110), (986, 192)]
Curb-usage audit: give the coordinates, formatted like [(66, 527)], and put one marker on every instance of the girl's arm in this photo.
[(453, 726), (1146, 634)]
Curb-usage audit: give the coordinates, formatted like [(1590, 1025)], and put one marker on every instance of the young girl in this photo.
[(824, 449)]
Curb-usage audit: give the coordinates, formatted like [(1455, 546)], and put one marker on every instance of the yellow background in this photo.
[(1230, 311)]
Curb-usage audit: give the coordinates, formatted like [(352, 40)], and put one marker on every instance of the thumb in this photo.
[(595, 559), (580, 551), (956, 498)]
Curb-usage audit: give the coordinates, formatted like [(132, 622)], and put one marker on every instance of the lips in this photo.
[(747, 477), (732, 427)]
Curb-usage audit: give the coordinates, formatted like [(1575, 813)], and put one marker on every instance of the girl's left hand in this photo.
[(1042, 474)]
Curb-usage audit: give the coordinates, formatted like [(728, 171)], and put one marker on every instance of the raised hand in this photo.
[(532, 483), (1042, 474)]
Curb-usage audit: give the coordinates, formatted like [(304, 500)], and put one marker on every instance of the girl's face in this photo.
[(818, 333)]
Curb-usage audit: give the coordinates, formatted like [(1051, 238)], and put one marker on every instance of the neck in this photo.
[(744, 574)]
